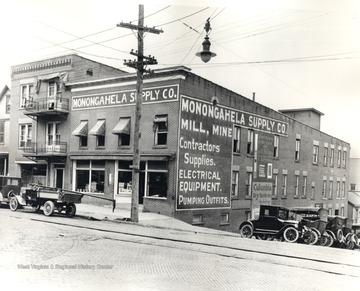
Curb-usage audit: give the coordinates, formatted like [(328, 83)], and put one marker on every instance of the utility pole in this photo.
[(139, 65)]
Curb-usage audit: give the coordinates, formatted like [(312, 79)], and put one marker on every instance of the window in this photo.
[(284, 186), (344, 159), (304, 187), (249, 177), (198, 219), (312, 194), (25, 134), (160, 129), (275, 185), (153, 179), (53, 135), (297, 150), (315, 154), (250, 142), (337, 189), (326, 153), (82, 132), (330, 211), (342, 211), (236, 141), (2, 132), (224, 219), (339, 158), (123, 130), (7, 109), (53, 89), (343, 189), (276, 146), (352, 187), (26, 95), (99, 131), (90, 176), (296, 195), (330, 189), (323, 193), (332, 153), (235, 184)]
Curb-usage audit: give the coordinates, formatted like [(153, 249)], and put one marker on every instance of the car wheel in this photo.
[(246, 231), (330, 241), (339, 235), (70, 210), (314, 238), (49, 208), (323, 240), (291, 234), (14, 203)]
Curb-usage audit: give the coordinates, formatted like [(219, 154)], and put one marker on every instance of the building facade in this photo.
[(209, 156), (4, 129)]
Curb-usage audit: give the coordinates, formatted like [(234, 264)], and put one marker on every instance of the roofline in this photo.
[(3, 91), (301, 110)]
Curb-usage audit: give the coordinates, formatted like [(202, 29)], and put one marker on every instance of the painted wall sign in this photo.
[(127, 97), (205, 151)]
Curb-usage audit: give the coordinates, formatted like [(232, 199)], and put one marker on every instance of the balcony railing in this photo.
[(47, 106), (55, 148)]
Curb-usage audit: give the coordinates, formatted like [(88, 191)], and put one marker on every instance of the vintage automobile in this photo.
[(9, 187), (314, 220), (356, 231), (350, 240), (273, 223), (334, 228)]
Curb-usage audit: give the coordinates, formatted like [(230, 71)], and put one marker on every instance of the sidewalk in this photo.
[(122, 214)]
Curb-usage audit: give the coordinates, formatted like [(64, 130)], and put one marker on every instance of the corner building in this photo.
[(209, 156)]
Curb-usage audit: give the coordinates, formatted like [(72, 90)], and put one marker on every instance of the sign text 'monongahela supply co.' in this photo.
[(205, 151), (126, 97)]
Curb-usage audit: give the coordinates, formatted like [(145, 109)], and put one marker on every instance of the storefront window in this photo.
[(153, 178), (90, 176)]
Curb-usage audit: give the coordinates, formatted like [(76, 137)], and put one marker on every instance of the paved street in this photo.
[(58, 253)]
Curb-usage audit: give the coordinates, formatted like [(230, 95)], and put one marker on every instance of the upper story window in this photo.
[(236, 141), (53, 89), (315, 154), (304, 187), (25, 134), (331, 184), (249, 179), (326, 153), (284, 185), (123, 130), (276, 146), (339, 158), (344, 159), (7, 108), (235, 184), (297, 150), (26, 94), (296, 186), (332, 153), (275, 185), (250, 142), (2, 132), (99, 131), (323, 193), (160, 129)]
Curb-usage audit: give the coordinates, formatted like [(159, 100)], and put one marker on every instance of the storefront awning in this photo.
[(99, 128), (123, 126), (82, 129)]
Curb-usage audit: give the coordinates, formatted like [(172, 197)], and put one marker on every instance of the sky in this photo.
[(291, 54)]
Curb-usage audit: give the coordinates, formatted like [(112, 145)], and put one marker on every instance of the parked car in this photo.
[(315, 219), (350, 238), (273, 222), (9, 187), (335, 227), (356, 231)]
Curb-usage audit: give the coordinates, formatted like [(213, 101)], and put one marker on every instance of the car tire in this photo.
[(291, 234), (49, 208), (246, 231), (70, 210), (323, 240), (13, 203), (330, 240)]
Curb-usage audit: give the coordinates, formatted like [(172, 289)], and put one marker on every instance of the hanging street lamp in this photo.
[(206, 54)]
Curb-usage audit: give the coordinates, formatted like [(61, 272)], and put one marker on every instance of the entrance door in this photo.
[(59, 178)]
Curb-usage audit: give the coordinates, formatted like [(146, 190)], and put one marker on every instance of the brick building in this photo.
[(209, 156), (4, 129)]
